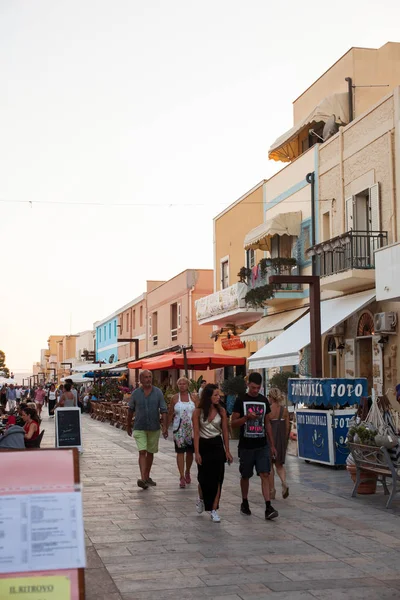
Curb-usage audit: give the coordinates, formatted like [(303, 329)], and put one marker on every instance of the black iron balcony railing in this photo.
[(351, 250), (273, 266)]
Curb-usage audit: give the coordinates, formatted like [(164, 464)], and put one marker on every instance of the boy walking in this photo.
[(256, 444)]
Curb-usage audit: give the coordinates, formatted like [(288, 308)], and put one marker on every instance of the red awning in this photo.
[(199, 361)]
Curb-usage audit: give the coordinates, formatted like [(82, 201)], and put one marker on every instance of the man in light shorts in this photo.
[(147, 403)]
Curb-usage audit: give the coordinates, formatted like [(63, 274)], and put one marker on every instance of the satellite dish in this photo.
[(331, 127), (111, 359)]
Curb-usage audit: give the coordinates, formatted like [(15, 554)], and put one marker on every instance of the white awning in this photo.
[(85, 367), (77, 378), (284, 350), (283, 224), (272, 325), (287, 146)]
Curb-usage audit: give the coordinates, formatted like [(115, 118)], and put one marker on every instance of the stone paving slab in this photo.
[(148, 544)]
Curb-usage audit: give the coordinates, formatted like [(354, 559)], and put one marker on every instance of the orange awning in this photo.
[(199, 361)]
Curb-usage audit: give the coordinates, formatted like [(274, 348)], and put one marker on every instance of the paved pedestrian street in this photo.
[(147, 544)]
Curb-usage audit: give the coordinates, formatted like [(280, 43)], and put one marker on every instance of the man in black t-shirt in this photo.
[(251, 414)]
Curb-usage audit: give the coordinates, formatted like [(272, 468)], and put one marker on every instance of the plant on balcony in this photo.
[(244, 275), (277, 264), (257, 296)]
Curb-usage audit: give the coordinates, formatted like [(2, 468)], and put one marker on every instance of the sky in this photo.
[(127, 125)]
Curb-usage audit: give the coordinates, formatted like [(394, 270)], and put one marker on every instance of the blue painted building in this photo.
[(107, 339)]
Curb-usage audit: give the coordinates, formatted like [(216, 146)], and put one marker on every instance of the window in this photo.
[(179, 316), (99, 330), (134, 319), (326, 226), (127, 321), (105, 332), (109, 330), (224, 274), (155, 329), (363, 210), (115, 328), (174, 322), (141, 316), (250, 259)]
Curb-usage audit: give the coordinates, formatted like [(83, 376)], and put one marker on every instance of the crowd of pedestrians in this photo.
[(200, 431)]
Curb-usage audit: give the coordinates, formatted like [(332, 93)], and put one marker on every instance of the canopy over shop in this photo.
[(285, 349), (197, 361)]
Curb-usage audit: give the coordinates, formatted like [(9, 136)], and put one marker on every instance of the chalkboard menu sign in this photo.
[(68, 427)]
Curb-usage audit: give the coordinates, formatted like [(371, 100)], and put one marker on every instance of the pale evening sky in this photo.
[(153, 102)]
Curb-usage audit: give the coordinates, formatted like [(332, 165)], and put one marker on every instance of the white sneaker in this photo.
[(215, 516), (199, 505)]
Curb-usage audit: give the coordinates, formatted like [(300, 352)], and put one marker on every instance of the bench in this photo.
[(375, 460)]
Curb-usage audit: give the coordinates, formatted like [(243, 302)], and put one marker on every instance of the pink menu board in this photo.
[(41, 525)]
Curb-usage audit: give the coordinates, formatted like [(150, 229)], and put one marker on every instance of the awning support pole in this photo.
[(315, 315)]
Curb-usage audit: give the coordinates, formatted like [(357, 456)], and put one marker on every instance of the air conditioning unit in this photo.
[(385, 322)]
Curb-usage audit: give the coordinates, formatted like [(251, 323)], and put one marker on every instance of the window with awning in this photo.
[(260, 237), (294, 142)]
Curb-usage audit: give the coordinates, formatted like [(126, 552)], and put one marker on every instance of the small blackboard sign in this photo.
[(68, 427)]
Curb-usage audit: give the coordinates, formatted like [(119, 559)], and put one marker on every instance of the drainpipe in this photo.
[(190, 324), (310, 178), (350, 94)]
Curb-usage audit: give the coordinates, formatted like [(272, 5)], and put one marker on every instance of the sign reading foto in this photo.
[(327, 392)]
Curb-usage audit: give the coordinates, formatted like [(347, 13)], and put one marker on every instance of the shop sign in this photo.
[(327, 392), (312, 435), (232, 343)]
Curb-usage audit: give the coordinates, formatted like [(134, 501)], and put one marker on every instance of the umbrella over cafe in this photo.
[(198, 361)]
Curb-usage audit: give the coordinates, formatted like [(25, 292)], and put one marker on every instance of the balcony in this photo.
[(155, 339), (226, 306), (347, 262), (174, 334)]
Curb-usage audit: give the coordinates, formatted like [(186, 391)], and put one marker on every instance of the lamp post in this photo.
[(315, 315)]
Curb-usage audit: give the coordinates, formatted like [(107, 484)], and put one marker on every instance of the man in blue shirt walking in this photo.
[(147, 403)]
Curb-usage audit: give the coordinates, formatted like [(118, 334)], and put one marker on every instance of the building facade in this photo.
[(224, 309), (171, 317), (356, 174)]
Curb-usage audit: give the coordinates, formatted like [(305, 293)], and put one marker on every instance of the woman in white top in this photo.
[(211, 447), (52, 399), (181, 410)]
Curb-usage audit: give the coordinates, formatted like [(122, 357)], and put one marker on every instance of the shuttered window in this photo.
[(374, 208)]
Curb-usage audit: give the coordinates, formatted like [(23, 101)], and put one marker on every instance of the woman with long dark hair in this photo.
[(32, 424), (211, 447)]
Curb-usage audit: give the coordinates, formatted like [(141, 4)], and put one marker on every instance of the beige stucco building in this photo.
[(356, 170)]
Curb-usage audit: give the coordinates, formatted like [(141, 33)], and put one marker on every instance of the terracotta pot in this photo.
[(367, 481)]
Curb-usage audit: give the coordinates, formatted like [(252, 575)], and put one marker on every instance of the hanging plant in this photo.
[(257, 296), (244, 275), (277, 265)]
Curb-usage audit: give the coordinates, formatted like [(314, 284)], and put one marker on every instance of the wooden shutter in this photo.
[(349, 208), (350, 358), (374, 208), (150, 328), (179, 316)]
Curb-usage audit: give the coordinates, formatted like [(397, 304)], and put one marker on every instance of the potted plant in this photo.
[(365, 435)]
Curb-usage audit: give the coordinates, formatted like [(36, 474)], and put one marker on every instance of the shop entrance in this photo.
[(365, 331), (365, 360)]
